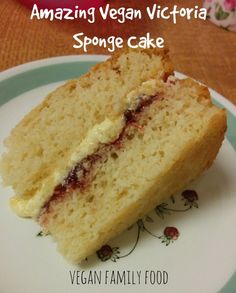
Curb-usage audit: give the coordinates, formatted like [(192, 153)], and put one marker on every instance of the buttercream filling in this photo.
[(80, 175)]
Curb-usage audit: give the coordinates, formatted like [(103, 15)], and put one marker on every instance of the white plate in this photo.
[(201, 259)]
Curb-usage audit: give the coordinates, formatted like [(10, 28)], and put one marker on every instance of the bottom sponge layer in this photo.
[(162, 148)]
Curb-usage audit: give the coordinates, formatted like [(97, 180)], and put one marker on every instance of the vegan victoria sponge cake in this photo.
[(103, 150)]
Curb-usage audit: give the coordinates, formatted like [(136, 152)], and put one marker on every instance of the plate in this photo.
[(187, 244)]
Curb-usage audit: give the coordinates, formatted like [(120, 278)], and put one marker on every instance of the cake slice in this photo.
[(125, 153), (40, 146)]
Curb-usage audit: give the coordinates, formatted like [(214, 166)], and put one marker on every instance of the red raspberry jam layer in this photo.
[(80, 175)]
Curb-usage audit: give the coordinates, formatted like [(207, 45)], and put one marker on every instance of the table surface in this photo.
[(198, 48)]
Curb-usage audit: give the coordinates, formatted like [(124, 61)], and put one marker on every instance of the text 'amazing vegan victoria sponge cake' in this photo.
[(103, 150)]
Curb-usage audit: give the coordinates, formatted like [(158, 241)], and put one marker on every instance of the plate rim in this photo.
[(29, 66)]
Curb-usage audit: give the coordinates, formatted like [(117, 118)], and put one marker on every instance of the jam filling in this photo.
[(80, 175)]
